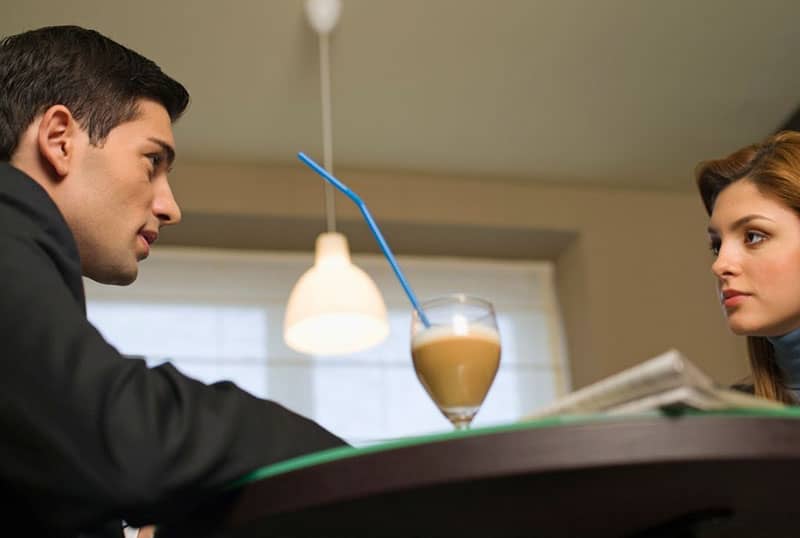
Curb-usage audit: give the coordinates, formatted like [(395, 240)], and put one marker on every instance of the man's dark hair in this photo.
[(99, 80)]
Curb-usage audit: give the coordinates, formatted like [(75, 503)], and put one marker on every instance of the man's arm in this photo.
[(97, 436)]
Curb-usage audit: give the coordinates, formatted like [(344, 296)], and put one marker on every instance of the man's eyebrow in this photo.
[(168, 150), (738, 223)]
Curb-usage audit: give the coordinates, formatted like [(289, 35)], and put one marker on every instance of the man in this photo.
[(89, 437)]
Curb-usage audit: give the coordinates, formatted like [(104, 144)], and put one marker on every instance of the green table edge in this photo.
[(340, 453)]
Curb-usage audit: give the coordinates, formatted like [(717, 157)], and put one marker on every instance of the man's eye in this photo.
[(155, 159), (752, 238)]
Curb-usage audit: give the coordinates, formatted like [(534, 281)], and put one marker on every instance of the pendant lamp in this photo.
[(334, 308)]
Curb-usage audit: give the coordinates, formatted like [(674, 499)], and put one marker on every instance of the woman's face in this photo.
[(756, 243)]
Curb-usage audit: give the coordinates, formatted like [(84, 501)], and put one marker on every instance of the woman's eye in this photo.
[(752, 238), (155, 159), (714, 248)]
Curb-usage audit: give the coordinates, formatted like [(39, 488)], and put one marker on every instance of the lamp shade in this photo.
[(334, 308)]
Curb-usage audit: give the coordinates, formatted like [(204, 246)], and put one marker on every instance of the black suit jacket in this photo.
[(87, 435)]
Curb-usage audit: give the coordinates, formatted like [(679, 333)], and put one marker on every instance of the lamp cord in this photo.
[(327, 128)]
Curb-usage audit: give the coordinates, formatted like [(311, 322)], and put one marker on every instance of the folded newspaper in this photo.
[(668, 381)]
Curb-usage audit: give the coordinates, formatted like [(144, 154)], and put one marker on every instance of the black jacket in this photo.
[(87, 435)]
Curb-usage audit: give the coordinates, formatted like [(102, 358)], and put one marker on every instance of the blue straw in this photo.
[(372, 226)]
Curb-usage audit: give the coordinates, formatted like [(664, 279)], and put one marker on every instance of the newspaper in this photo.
[(666, 381)]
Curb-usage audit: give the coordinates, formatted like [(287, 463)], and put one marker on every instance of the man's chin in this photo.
[(114, 276)]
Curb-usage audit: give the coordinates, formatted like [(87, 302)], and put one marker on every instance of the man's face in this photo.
[(120, 196)]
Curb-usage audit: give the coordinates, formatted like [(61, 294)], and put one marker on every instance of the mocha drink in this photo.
[(456, 369)]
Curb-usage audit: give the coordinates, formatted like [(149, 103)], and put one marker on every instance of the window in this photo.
[(219, 315)]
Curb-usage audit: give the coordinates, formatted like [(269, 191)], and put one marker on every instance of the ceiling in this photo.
[(628, 93)]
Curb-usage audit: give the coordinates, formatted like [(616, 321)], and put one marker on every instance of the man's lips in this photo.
[(147, 237)]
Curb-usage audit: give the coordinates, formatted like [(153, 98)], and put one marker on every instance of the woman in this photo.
[(753, 200)]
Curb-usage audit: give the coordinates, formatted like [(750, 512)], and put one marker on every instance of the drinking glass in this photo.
[(456, 357)]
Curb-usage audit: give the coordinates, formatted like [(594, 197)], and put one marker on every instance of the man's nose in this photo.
[(164, 205)]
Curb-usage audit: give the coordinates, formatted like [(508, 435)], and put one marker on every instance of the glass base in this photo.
[(461, 416)]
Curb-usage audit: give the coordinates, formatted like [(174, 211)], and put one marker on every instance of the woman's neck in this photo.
[(787, 355)]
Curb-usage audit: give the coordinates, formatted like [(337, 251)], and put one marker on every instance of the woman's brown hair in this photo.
[(773, 166)]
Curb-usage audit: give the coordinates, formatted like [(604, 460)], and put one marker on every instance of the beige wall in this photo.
[(632, 267)]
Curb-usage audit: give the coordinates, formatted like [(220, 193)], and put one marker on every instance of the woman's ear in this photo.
[(56, 138)]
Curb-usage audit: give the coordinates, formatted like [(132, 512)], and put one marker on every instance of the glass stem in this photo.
[(461, 425)]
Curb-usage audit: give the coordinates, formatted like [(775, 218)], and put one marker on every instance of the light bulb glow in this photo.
[(335, 307), (332, 334)]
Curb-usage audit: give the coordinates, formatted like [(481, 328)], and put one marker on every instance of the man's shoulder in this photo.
[(31, 222), (23, 198), (28, 212)]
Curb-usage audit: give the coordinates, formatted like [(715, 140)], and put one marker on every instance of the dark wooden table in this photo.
[(704, 475)]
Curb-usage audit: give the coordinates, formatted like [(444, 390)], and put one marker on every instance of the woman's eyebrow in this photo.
[(738, 223)]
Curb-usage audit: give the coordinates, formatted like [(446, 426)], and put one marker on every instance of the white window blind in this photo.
[(218, 315)]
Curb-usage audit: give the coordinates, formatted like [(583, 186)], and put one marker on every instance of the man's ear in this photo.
[(56, 138)]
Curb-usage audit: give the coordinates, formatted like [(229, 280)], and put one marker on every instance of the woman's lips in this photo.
[(731, 298)]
